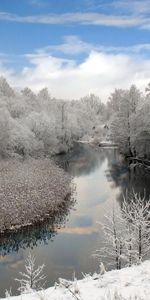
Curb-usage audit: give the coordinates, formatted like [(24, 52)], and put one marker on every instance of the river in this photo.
[(66, 244)]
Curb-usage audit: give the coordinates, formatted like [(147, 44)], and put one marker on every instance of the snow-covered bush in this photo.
[(23, 141), (33, 279), (43, 129)]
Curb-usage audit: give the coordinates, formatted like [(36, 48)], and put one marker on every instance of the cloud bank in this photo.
[(99, 73), (85, 18)]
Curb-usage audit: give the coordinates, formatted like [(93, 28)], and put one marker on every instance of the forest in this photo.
[(37, 124), (40, 125)]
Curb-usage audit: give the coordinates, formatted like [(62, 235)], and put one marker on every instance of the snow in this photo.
[(30, 191), (127, 284), (94, 141)]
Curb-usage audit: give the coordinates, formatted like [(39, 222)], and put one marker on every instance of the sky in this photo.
[(75, 47)]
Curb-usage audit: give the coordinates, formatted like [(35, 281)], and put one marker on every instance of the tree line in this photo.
[(37, 124)]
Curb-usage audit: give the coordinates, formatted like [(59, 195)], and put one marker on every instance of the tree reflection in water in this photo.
[(31, 236), (126, 177), (82, 160)]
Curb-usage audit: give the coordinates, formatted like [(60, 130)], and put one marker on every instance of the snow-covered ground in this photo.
[(129, 283), (30, 191)]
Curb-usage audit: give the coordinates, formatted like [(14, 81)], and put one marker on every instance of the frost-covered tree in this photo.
[(115, 101), (124, 104), (147, 89), (5, 89), (28, 93), (127, 232), (23, 141), (33, 278), (129, 114), (44, 94), (140, 137), (44, 130), (44, 99), (136, 213), (113, 244), (30, 100)]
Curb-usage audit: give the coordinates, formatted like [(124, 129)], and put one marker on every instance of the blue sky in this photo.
[(95, 45)]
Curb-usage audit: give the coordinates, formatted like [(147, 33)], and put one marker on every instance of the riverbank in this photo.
[(99, 143), (126, 284), (31, 190)]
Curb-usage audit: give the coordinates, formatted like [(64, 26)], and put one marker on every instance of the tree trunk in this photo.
[(140, 243), (120, 252), (130, 257), (116, 249)]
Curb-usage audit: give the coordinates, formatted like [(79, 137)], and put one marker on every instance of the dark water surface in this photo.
[(65, 243)]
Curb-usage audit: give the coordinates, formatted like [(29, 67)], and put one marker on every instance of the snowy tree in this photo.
[(113, 239), (32, 279), (44, 94), (127, 232), (129, 113), (94, 105), (115, 100), (28, 93), (23, 141), (147, 89), (124, 112), (44, 130), (30, 99), (120, 125), (44, 99), (136, 213), (5, 89), (135, 97), (140, 137)]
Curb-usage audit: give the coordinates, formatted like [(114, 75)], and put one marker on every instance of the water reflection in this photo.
[(40, 233), (128, 178), (100, 176), (82, 160)]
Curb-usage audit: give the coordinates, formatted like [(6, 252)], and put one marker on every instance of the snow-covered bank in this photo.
[(99, 143), (30, 191), (126, 284)]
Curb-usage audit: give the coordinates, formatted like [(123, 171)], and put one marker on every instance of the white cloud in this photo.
[(5, 71), (38, 3), (118, 13), (135, 6), (73, 45), (79, 18), (99, 73)]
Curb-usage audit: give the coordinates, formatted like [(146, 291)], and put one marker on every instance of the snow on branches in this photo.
[(127, 232), (33, 279), (136, 213)]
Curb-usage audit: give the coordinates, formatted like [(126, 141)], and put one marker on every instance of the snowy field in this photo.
[(126, 284), (30, 191)]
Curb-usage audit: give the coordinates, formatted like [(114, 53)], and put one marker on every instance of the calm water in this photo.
[(66, 243)]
